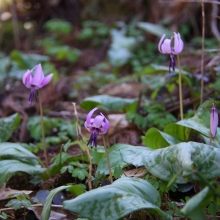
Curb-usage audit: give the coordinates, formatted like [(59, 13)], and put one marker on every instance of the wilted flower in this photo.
[(171, 46), (213, 121), (97, 125), (36, 82)]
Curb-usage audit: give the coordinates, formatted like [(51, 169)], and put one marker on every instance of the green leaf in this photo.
[(80, 173), (194, 208), (156, 139), (115, 201), (183, 159), (15, 203), (8, 125), (155, 29), (76, 190), (106, 102), (10, 167), (47, 206), (115, 157)]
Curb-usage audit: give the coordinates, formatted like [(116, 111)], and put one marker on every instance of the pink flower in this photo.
[(171, 46), (213, 120), (97, 125), (36, 82)]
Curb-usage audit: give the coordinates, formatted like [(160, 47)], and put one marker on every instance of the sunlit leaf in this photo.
[(183, 159), (115, 201)]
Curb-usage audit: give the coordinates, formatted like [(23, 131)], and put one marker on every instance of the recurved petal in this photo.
[(46, 80), (161, 42), (27, 78), (213, 121), (106, 125), (38, 76), (88, 117), (166, 46), (178, 43)]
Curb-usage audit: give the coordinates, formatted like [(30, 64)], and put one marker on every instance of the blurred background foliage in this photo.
[(110, 47)]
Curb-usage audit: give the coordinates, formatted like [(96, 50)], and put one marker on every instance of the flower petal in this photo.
[(88, 117), (46, 80), (178, 44), (27, 79), (213, 121), (166, 46), (106, 125), (98, 121), (38, 76), (160, 43)]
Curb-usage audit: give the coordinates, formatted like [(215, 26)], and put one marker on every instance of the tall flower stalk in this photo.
[(34, 83), (98, 125), (173, 46)]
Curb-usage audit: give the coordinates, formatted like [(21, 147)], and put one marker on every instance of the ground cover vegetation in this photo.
[(109, 109)]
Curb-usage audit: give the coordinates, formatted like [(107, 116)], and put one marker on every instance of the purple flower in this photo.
[(213, 120), (36, 82), (171, 46), (97, 125)]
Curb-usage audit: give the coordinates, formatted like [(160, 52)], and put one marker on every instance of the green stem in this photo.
[(43, 134), (107, 158), (180, 88)]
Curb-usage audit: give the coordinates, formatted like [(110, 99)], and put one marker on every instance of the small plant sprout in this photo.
[(213, 122), (98, 125), (36, 82), (173, 46)]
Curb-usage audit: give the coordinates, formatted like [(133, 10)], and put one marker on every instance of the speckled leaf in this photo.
[(115, 201), (199, 122), (156, 139), (183, 158), (8, 125), (131, 155)]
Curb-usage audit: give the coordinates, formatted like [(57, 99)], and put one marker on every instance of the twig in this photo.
[(187, 1), (202, 58), (43, 134), (107, 158), (79, 135), (180, 88), (35, 205)]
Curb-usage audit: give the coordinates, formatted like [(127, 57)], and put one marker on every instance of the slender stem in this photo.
[(43, 134), (202, 58), (180, 88), (107, 158), (210, 138), (79, 135)]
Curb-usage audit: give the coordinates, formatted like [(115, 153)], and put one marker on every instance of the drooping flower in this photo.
[(36, 82), (97, 125), (171, 46), (213, 120)]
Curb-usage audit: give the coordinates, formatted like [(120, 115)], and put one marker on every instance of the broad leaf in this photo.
[(120, 155), (106, 102), (8, 125), (16, 151), (155, 29), (115, 201), (183, 159), (10, 167), (156, 139), (47, 206)]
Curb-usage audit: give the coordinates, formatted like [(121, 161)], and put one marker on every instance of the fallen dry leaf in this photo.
[(138, 172)]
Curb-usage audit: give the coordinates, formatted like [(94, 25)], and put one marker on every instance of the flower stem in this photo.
[(43, 134), (180, 88), (79, 135), (107, 158)]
